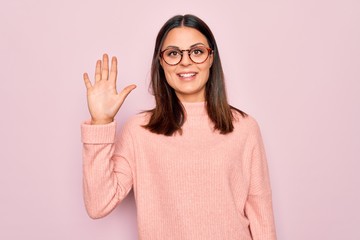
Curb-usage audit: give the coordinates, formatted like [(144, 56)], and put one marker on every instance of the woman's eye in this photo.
[(197, 51), (172, 53)]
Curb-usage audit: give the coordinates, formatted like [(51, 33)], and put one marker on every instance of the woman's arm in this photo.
[(258, 207), (107, 178)]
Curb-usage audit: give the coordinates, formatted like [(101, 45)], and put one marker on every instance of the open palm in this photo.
[(103, 99)]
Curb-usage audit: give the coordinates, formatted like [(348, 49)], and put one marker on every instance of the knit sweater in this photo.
[(198, 185)]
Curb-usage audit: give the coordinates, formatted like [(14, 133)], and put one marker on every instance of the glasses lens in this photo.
[(199, 54), (172, 56)]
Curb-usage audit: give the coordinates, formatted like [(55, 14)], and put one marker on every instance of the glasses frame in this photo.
[(210, 51)]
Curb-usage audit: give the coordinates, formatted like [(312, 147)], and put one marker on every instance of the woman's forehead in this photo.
[(184, 37)]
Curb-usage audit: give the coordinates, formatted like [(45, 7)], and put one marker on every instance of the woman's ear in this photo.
[(211, 59), (161, 63)]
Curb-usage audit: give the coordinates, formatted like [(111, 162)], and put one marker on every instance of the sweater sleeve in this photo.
[(107, 177), (258, 206)]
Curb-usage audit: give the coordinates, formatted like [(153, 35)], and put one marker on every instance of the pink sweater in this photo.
[(198, 185)]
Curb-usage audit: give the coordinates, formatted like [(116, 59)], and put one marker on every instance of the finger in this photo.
[(98, 71), (105, 67), (87, 81), (113, 70), (125, 92)]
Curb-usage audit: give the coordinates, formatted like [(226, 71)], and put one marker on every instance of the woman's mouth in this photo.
[(186, 75)]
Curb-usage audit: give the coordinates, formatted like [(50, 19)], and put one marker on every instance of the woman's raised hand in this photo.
[(103, 99)]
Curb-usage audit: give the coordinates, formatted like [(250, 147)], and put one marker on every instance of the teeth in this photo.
[(187, 74)]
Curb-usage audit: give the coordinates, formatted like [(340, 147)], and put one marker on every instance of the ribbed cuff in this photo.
[(98, 134)]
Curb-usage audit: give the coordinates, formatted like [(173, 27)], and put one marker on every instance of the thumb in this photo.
[(125, 92)]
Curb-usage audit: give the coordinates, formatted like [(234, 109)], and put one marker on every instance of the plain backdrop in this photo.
[(293, 65)]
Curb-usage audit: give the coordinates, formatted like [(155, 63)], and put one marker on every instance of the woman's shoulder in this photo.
[(245, 121), (134, 125), (137, 120)]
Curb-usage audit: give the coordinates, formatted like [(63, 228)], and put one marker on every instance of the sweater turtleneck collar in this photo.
[(195, 108)]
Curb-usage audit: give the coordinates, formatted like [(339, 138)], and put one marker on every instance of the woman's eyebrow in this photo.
[(196, 44), (171, 46)]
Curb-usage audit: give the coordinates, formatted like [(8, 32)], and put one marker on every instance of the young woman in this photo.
[(196, 164)]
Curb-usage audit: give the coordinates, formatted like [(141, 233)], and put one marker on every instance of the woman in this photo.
[(196, 164)]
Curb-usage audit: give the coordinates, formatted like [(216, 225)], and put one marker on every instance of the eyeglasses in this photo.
[(197, 54)]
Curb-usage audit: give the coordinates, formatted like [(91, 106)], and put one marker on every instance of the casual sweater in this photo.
[(198, 185)]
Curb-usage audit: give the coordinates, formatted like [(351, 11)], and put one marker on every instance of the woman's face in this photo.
[(187, 78)]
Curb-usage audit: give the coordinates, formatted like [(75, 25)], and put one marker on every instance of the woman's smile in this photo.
[(187, 75)]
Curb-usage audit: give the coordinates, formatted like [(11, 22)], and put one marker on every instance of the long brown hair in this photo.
[(168, 115)]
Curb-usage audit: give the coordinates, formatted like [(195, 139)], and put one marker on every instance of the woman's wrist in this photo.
[(101, 121)]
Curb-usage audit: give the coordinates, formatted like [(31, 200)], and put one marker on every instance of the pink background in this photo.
[(293, 65)]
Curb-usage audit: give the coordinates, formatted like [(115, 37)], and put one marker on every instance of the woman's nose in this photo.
[(186, 60)]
